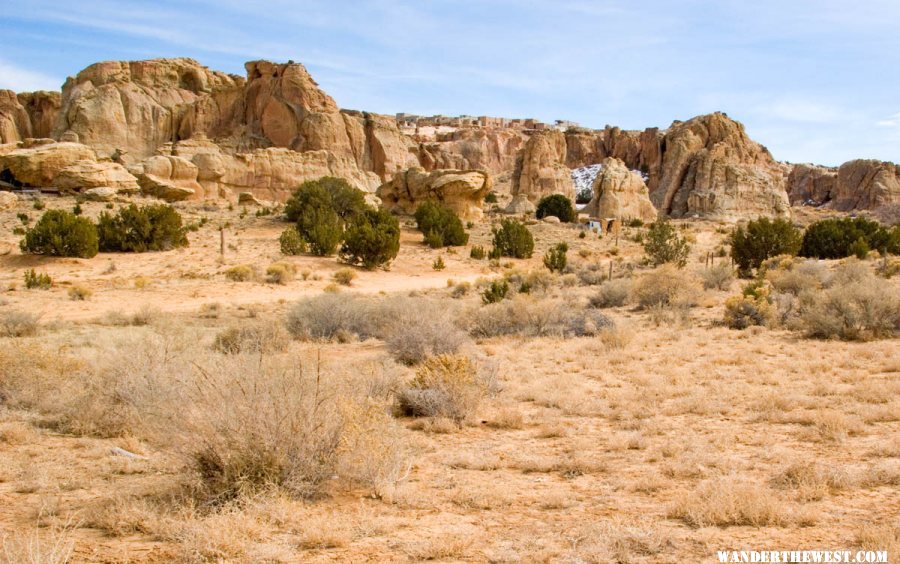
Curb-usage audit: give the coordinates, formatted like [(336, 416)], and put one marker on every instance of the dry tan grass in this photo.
[(729, 501), (637, 443)]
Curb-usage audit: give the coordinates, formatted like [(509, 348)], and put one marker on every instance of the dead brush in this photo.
[(729, 500), (444, 386), (253, 423), (264, 337)]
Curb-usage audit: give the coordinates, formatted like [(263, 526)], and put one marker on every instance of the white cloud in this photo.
[(891, 121), (19, 79)]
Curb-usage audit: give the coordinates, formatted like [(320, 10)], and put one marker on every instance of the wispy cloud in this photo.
[(14, 77), (891, 121)]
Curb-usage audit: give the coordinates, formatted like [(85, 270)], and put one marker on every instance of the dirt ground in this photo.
[(591, 449)]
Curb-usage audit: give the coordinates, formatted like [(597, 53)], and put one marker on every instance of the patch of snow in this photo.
[(583, 178)]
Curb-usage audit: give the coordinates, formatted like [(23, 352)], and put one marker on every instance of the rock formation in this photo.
[(463, 191), (620, 193), (135, 106), (540, 168), (84, 175), (267, 132), (811, 184), (37, 162), (520, 205), (15, 124), (169, 178), (711, 168), (866, 184)]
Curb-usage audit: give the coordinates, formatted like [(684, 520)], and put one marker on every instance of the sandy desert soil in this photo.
[(664, 441)]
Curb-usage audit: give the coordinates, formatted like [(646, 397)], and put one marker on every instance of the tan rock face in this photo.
[(620, 193), (520, 205), (134, 106), (38, 165), (43, 110), (463, 191), (493, 150), (15, 124), (170, 178), (540, 170), (84, 175), (268, 174), (866, 184), (811, 184), (712, 169)]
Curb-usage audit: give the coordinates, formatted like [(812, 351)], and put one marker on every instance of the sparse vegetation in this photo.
[(441, 227), (835, 238), (280, 273), (762, 239), (444, 386), (154, 227), (666, 286), (240, 273), (37, 280), (291, 242), (663, 244), (372, 239), (512, 239), (556, 205), (344, 276), (61, 234), (555, 259)]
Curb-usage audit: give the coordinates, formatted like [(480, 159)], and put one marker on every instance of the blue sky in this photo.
[(814, 80)]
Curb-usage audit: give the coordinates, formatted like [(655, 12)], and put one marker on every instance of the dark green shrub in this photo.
[(322, 208), (39, 280), (154, 227), (291, 242), (440, 225), (835, 238), (555, 259), (343, 198), (39, 204), (859, 249), (61, 233), (490, 198), (762, 239), (663, 244), (635, 222), (77, 209), (372, 239), (496, 292), (477, 252), (512, 239), (556, 205)]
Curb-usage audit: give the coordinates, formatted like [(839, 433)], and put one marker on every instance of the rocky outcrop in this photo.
[(15, 125), (620, 193), (100, 194), (169, 178), (711, 168), (866, 184), (38, 162), (269, 174), (84, 175), (520, 205), (463, 191), (811, 185), (43, 110), (540, 169), (135, 106), (493, 150)]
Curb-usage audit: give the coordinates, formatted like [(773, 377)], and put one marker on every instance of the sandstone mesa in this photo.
[(176, 130)]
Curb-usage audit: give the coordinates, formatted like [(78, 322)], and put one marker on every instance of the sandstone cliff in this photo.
[(463, 191), (620, 193)]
